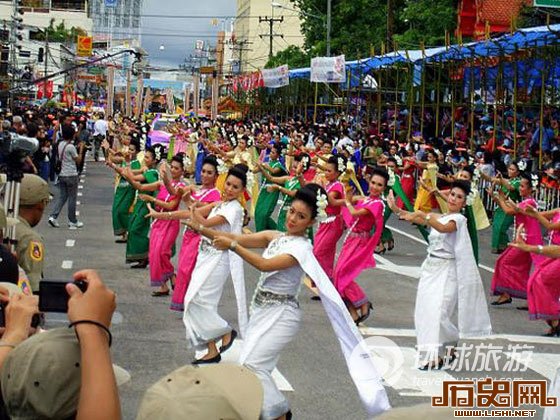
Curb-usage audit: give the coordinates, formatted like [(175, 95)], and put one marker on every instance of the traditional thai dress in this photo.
[(123, 201), (329, 232), (449, 280), (212, 269), (424, 200), (501, 221), (163, 235), (358, 249), (275, 320), (543, 287), (513, 266), (138, 243), (189, 252), (408, 182), (291, 184), (266, 203)]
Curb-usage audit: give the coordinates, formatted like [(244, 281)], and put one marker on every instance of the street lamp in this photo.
[(162, 47), (328, 25)]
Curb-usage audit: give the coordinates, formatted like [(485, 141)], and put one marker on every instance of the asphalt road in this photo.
[(149, 339)]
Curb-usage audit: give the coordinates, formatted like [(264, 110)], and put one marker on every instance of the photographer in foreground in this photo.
[(63, 373)]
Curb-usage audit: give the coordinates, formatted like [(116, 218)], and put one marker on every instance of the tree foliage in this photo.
[(60, 33), (359, 26), (293, 56)]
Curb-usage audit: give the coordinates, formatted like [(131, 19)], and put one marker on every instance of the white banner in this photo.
[(277, 77), (328, 69)]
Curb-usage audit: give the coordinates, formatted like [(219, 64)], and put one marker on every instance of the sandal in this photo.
[(158, 293)]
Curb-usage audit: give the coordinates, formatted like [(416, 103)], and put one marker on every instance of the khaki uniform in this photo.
[(30, 251)]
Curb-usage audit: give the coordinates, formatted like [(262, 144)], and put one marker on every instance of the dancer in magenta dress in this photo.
[(330, 230), (163, 232), (513, 266), (208, 193), (359, 245), (543, 288)]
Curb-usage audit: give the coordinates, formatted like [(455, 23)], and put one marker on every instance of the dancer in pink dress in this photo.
[(513, 266), (543, 288), (359, 245), (208, 193), (163, 233), (330, 230)]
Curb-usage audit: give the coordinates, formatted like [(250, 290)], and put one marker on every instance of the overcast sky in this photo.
[(178, 35)]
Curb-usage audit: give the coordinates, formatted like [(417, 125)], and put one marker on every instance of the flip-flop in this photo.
[(159, 293)]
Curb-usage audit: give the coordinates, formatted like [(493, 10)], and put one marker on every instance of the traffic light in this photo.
[(41, 55)]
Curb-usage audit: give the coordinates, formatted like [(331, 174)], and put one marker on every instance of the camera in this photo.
[(53, 296), (35, 321), (12, 144)]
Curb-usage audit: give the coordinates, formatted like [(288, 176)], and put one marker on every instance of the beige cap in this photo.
[(41, 378), (11, 287), (34, 189), (6, 221), (224, 391)]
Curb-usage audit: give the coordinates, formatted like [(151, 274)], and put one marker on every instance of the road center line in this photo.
[(67, 264), (70, 242)]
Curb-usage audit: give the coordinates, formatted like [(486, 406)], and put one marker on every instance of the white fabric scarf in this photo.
[(358, 358)]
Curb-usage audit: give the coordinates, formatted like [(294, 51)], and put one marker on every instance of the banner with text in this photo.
[(328, 69), (277, 77)]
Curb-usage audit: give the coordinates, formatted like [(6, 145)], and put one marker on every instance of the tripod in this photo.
[(14, 175)]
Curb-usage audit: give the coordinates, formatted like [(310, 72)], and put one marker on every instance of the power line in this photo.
[(271, 35)]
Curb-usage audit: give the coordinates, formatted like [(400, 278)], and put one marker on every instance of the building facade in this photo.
[(252, 31), (114, 24)]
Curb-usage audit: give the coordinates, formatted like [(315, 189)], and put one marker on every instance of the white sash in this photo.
[(358, 359)]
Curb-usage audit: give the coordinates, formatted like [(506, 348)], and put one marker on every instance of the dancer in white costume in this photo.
[(213, 267), (449, 281), (275, 313)]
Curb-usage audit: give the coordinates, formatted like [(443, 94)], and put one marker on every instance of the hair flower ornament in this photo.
[(341, 165), (522, 165), (222, 168), (392, 179), (472, 195), (398, 160), (534, 180), (321, 205), (305, 161), (158, 154), (349, 149)]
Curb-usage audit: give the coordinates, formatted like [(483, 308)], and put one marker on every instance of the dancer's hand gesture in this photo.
[(391, 201), (520, 237), (222, 243), (151, 212)]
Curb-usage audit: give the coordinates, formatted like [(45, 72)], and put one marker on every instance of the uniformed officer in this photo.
[(30, 248)]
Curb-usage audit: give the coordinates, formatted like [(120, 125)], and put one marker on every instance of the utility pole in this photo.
[(240, 47), (271, 21), (329, 3)]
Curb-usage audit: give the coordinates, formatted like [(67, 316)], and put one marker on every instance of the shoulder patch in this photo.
[(36, 251)]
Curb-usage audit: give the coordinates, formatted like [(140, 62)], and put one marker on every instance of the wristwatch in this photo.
[(539, 249), (233, 245), (428, 217)]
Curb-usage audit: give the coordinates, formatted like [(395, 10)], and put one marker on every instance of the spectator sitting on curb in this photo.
[(65, 372)]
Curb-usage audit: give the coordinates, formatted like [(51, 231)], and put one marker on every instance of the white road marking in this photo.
[(403, 332), (77, 212), (78, 203), (67, 264), (414, 238), (80, 187), (79, 194), (70, 242), (82, 181), (232, 356)]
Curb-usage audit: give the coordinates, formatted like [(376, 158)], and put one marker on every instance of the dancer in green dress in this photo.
[(288, 185), (137, 245), (267, 200), (125, 194), (501, 221)]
